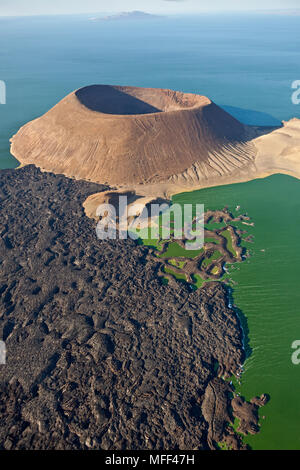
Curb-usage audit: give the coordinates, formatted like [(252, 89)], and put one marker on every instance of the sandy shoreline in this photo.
[(276, 152), (152, 143)]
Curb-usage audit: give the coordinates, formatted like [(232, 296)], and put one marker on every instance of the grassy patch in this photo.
[(177, 251), (215, 270), (226, 234), (180, 277), (211, 240), (177, 263), (207, 261), (223, 446)]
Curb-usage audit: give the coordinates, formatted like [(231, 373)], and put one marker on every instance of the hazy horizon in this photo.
[(167, 7)]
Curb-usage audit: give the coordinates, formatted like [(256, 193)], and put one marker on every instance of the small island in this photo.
[(128, 15)]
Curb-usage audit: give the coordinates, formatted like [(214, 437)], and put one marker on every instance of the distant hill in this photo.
[(129, 15), (288, 12)]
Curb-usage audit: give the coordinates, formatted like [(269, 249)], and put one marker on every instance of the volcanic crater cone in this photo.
[(128, 135)]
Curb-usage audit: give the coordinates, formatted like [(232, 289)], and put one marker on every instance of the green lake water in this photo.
[(266, 289)]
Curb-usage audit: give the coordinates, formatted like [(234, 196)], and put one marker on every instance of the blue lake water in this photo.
[(244, 63)]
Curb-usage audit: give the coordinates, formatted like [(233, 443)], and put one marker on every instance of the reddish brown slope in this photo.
[(127, 135)]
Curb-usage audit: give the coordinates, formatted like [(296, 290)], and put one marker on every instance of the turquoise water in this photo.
[(245, 64)]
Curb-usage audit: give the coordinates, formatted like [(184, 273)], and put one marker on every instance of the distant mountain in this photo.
[(127, 15), (288, 12)]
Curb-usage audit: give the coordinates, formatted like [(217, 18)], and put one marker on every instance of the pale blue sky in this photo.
[(43, 7)]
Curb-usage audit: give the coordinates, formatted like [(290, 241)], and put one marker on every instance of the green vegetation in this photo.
[(177, 263), (235, 426), (180, 277), (175, 250), (199, 281), (214, 225), (215, 256), (223, 446), (175, 254), (215, 270), (211, 240), (226, 234)]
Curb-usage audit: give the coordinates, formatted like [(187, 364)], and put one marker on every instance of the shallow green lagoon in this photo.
[(267, 291)]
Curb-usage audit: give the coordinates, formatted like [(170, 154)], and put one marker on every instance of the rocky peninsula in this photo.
[(101, 354)]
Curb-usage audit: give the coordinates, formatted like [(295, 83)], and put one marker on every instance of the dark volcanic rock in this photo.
[(215, 409), (247, 413), (100, 354)]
